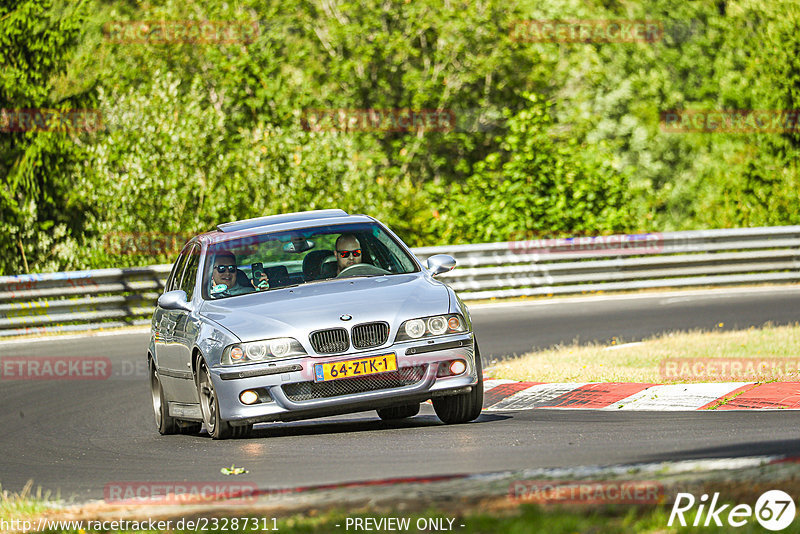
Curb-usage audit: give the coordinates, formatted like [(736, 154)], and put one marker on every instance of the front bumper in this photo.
[(293, 394)]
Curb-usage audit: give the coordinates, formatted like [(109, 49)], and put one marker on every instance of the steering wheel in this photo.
[(361, 268)]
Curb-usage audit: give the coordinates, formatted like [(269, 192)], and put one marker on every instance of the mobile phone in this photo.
[(257, 269)]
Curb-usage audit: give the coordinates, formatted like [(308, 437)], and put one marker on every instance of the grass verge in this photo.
[(484, 506), (23, 504), (645, 361)]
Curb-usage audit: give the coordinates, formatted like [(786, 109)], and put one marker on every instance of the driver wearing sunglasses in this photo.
[(348, 252), (223, 276)]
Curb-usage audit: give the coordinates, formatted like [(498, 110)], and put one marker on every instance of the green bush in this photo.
[(538, 185)]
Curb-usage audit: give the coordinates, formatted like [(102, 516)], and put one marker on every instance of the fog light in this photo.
[(458, 367), (248, 396)]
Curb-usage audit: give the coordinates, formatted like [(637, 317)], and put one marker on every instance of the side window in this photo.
[(395, 253), (190, 272), (175, 275)]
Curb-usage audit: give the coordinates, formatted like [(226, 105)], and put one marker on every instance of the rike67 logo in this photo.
[(774, 510)]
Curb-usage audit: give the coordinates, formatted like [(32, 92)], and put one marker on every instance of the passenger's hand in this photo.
[(263, 281)]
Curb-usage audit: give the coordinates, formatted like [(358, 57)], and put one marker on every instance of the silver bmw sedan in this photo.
[(305, 315)]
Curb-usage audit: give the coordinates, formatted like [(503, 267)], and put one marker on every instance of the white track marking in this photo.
[(534, 396), (623, 346), (676, 396)]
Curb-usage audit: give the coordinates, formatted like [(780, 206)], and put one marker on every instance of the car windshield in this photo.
[(275, 260)]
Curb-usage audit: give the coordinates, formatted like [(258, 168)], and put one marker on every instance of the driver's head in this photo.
[(348, 251), (225, 262)]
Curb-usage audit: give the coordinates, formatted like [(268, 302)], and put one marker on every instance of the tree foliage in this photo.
[(548, 138), (39, 220)]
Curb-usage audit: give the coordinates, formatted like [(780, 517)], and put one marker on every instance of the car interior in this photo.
[(319, 264), (298, 261)]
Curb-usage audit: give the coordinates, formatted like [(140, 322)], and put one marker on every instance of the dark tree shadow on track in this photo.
[(790, 448), (363, 424)]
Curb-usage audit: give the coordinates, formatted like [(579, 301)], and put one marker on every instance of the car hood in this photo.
[(296, 311)]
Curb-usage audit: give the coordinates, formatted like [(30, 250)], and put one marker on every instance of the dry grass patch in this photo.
[(645, 361), (24, 504)]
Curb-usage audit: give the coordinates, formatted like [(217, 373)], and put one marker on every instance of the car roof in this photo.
[(271, 220), (283, 222)]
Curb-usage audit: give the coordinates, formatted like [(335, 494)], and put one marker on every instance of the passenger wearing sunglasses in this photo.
[(348, 252), (223, 277)]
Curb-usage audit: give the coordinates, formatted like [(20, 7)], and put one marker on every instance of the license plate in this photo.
[(350, 368)]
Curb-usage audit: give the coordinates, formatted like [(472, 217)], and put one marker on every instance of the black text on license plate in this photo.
[(350, 368)]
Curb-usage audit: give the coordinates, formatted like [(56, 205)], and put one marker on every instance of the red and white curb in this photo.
[(504, 395)]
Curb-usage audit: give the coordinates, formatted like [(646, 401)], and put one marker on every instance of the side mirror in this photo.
[(174, 300), (440, 263)]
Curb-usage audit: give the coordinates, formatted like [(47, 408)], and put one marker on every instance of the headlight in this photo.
[(437, 325), (236, 354), (280, 347), (414, 328), (257, 351)]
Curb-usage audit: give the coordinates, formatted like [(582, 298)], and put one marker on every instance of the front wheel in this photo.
[(209, 406), (466, 406)]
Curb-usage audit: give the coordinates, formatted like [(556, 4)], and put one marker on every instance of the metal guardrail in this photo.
[(108, 298)]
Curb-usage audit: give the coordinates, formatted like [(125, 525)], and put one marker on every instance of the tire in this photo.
[(164, 422), (466, 406), (209, 407), (398, 412)]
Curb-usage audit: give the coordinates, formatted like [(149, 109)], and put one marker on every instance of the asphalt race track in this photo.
[(77, 437)]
